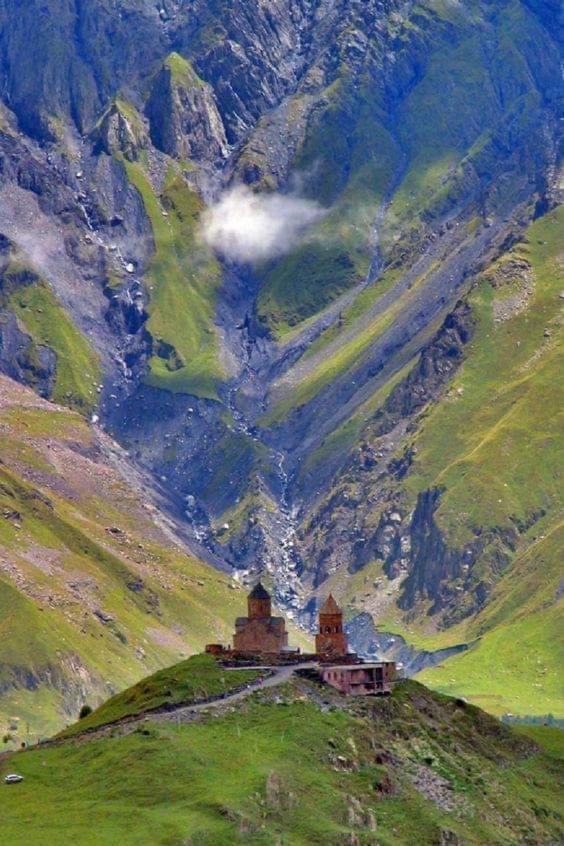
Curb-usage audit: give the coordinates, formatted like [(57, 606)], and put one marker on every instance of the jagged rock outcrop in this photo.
[(250, 52), (78, 57), (256, 58), (21, 359), (374, 645), (127, 311), (120, 130), (183, 115), (436, 366), (369, 479), (448, 575)]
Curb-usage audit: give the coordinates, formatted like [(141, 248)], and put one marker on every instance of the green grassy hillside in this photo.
[(183, 280), (494, 449), (494, 445), (280, 768), (93, 591), (198, 678), (516, 665), (77, 371), (490, 445)]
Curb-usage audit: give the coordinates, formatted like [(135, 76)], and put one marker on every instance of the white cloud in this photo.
[(248, 228)]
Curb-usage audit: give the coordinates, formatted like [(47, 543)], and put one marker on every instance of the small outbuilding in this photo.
[(360, 679)]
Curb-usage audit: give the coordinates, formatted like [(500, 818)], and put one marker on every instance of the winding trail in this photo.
[(280, 677), (179, 713)]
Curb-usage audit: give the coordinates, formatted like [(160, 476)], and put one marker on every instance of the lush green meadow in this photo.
[(278, 768), (194, 680)]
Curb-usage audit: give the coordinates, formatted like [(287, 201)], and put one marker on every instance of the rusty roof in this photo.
[(259, 592), (330, 606)]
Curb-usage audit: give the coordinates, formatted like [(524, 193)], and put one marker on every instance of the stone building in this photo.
[(360, 679), (330, 640), (260, 632)]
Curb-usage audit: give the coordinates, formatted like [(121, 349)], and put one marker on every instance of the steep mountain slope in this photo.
[(472, 542), (357, 400), (96, 588), (310, 767)]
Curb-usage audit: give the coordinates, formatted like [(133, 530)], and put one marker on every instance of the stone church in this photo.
[(260, 632)]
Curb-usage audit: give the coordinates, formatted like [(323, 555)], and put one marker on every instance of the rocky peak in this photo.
[(120, 130), (183, 114)]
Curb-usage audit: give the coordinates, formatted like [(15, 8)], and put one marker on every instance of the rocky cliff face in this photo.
[(286, 405), (371, 481), (183, 115), (373, 645)]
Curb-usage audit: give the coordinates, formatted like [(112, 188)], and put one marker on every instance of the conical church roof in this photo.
[(330, 606), (258, 592)]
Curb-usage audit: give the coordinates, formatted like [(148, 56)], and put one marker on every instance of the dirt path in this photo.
[(180, 713), (281, 676)]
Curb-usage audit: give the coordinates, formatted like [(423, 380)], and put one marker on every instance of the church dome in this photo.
[(258, 592)]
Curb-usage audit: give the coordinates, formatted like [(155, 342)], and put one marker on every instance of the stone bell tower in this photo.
[(258, 603), (330, 639)]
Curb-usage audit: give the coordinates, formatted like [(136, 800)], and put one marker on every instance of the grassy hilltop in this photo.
[(295, 765)]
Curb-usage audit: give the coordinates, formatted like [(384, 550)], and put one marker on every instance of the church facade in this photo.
[(260, 632)]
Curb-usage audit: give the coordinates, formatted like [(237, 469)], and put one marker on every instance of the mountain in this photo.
[(474, 532), (302, 261), (311, 767), (97, 587)]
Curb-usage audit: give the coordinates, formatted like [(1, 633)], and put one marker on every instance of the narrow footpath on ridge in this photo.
[(280, 676)]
